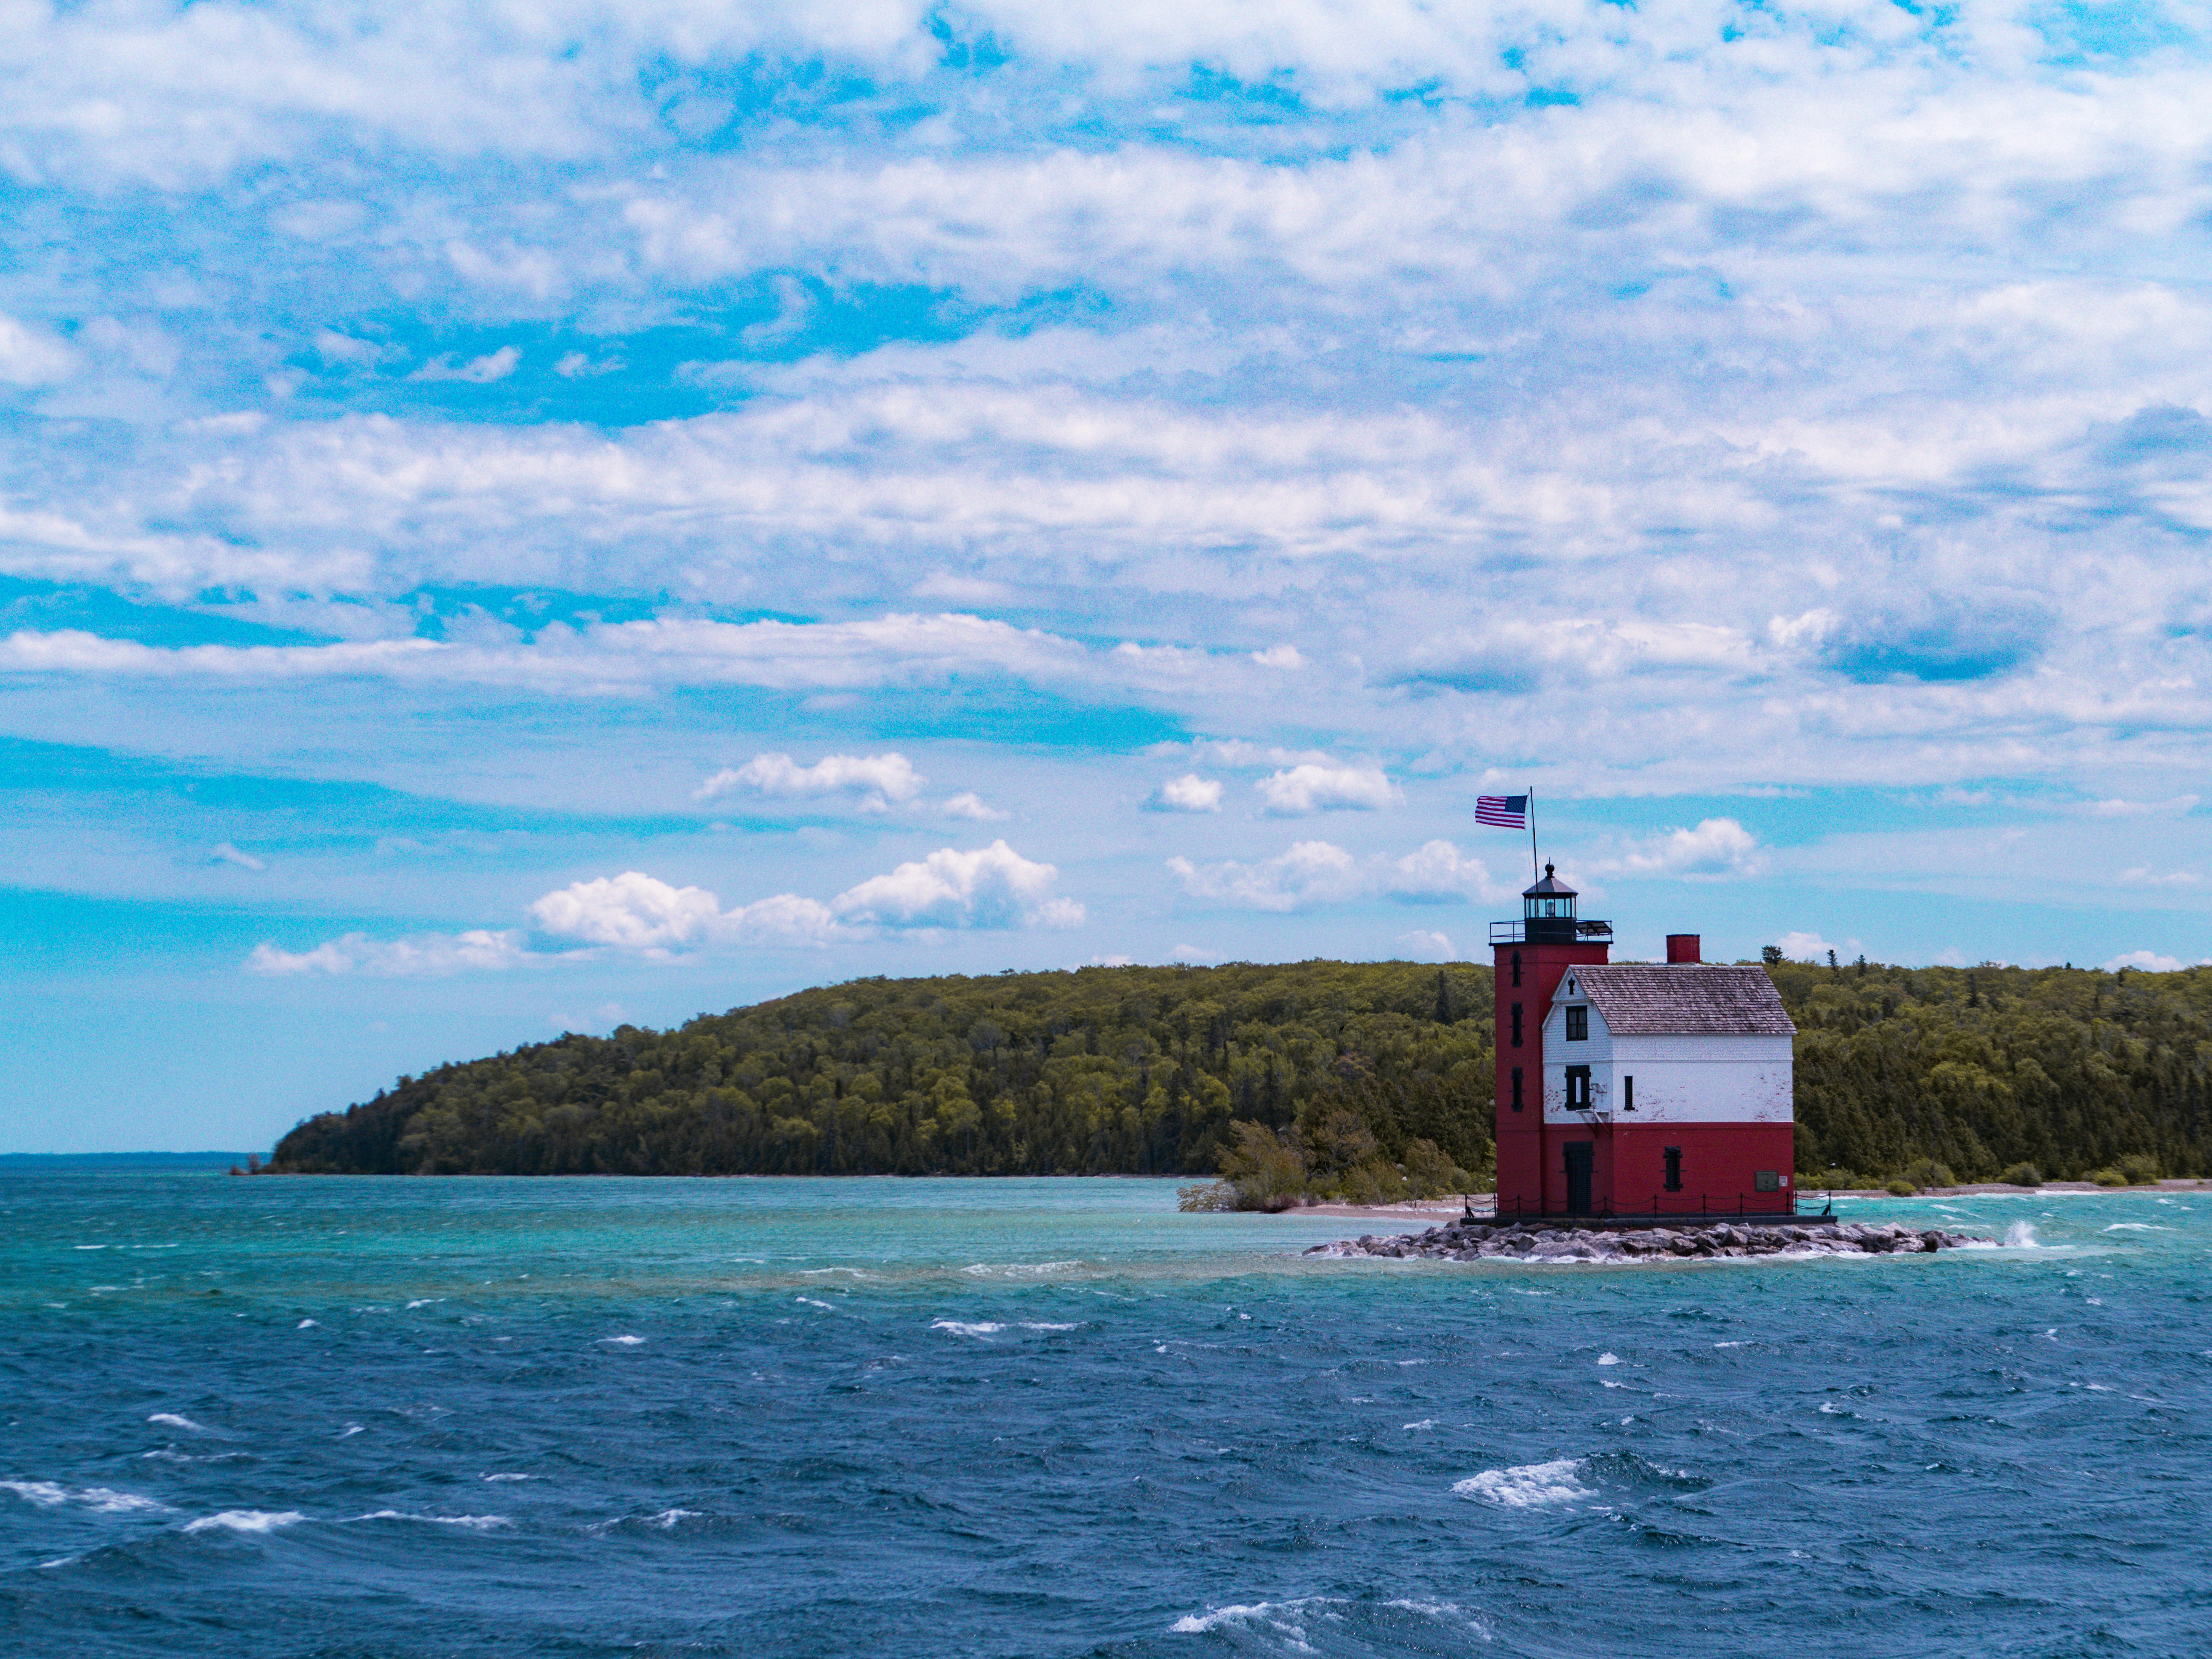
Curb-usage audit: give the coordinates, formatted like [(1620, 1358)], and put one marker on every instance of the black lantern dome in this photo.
[(1547, 916)]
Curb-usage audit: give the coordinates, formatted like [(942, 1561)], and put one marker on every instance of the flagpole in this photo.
[(1532, 833)]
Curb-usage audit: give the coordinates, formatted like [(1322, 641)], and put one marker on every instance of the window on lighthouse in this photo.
[(1516, 1025), (1517, 968), (1579, 1025), (1516, 1088)]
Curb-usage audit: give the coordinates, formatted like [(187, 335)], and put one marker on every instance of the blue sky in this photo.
[(515, 520)]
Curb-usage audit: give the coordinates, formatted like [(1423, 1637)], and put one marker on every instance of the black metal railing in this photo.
[(1546, 930)]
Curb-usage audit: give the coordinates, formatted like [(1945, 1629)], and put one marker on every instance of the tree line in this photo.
[(1362, 1072)]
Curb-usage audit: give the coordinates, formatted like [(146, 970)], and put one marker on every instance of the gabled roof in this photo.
[(1702, 998)]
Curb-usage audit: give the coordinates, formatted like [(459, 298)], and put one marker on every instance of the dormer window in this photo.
[(1577, 1024)]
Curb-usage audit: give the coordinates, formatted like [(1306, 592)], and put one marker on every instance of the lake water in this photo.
[(397, 1418)]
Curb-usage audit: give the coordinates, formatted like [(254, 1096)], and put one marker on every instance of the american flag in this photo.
[(1501, 812)]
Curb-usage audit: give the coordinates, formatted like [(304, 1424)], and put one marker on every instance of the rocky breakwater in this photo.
[(1524, 1241)]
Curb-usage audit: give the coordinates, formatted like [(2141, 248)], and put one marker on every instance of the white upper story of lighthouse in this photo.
[(1658, 1044)]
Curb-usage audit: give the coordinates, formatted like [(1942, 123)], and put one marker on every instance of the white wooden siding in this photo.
[(1679, 1079)]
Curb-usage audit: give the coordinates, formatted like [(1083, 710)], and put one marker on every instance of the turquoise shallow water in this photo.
[(1033, 1418)]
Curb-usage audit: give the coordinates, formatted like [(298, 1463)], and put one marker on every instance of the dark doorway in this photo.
[(1578, 1178)]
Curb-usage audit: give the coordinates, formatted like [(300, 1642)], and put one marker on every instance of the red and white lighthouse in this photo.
[(1635, 1088)]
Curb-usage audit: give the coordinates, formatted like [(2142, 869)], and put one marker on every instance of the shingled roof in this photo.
[(1701, 999)]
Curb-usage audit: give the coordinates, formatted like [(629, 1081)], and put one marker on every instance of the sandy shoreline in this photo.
[(1431, 1211)]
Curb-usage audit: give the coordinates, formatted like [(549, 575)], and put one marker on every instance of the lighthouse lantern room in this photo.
[(1629, 1089)]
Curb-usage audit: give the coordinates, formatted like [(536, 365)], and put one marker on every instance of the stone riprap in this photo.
[(1532, 1241)]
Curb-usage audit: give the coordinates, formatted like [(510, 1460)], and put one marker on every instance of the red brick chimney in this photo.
[(1682, 947)]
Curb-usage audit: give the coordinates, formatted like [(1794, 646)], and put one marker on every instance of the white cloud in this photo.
[(2138, 809), (785, 918), (1238, 752), (991, 886), (478, 371), (1318, 788), (2151, 962), (1314, 873), (1280, 656), (223, 852), (1310, 873), (1438, 872), (575, 366), (1196, 955), (605, 658), (2143, 876), (31, 356), (630, 912), (952, 588), (970, 805), (1188, 794), (640, 915), (1717, 847), (423, 956), (334, 347), (1808, 947), (636, 913), (875, 781), (1423, 945)]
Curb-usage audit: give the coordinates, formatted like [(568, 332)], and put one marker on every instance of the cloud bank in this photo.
[(638, 915)]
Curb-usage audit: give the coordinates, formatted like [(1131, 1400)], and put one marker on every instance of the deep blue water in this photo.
[(1045, 1418)]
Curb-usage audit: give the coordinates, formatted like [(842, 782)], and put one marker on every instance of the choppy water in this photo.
[(1044, 1418)]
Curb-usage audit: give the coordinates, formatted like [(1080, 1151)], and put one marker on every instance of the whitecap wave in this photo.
[(473, 1522), (810, 1302), (424, 1301), (1608, 1360), (1287, 1621), (100, 1500), (967, 1328), (1285, 1618), (624, 1341), (1451, 1610), (2138, 1227), (1529, 1484), (178, 1420), (245, 1521), (511, 1477), (1019, 1269)]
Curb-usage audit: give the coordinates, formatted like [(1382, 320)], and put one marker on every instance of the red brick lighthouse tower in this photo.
[(1532, 955)]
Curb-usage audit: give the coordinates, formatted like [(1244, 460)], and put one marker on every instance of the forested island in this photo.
[(1359, 1080)]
